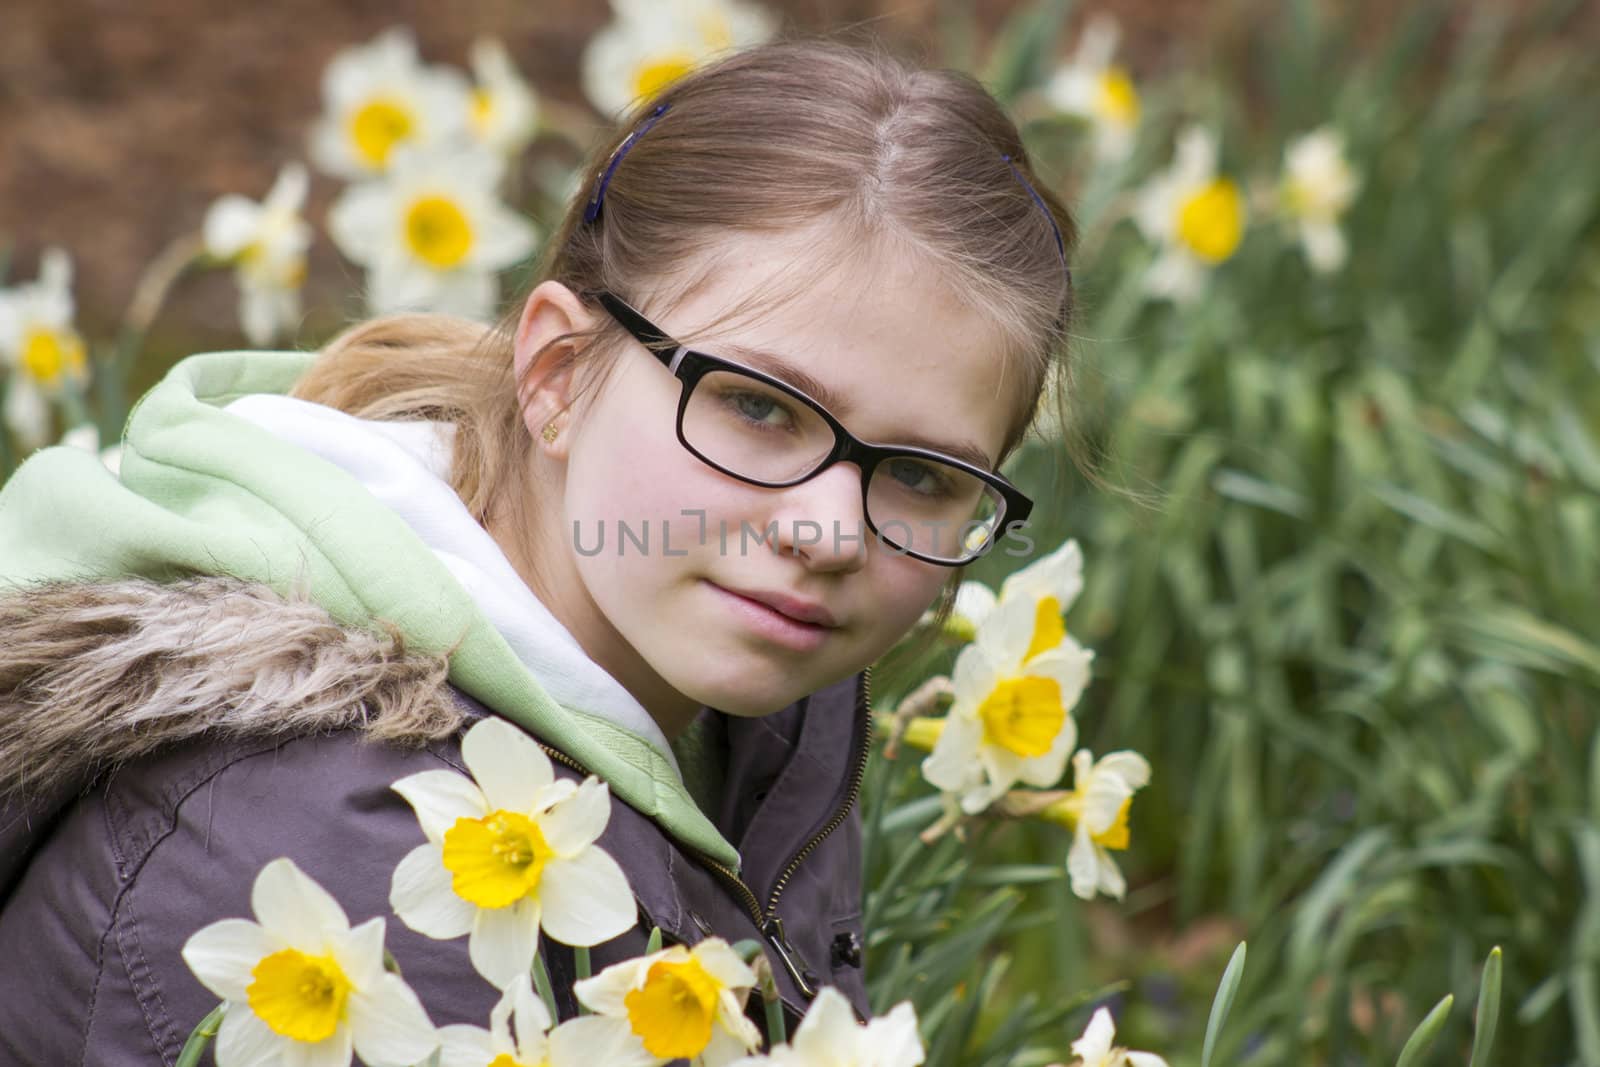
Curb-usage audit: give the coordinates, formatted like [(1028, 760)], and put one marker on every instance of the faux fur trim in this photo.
[(92, 674)]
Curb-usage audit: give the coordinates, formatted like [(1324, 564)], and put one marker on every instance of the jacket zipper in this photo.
[(766, 920)]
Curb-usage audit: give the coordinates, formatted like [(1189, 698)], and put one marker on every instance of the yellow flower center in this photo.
[(1211, 221), (438, 232), (1048, 632), (301, 997), (505, 1059), (377, 126), (1023, 715), (923, 732), (482, 111), (1119, 100), (673, 1012), (497, 860), (658, 72), (1116, 835), (49, 355)]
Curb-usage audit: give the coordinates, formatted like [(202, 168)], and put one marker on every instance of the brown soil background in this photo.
[(121, 120)]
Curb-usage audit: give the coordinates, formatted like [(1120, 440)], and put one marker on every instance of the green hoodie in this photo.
[(205, 492)]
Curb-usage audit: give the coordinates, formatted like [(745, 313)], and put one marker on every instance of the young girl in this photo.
[(735, 441)]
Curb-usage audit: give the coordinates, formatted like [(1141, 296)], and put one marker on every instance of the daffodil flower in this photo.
[(1094, 1048), (39, 343), (829, 1036), (679, 1003), (378, 97), (1318, 185), (301, 986), (1014, 689), (510, 850), (1093, 88), (583, 1042), (1096, 811), (505, 111), (652, 43), (432, 232), (1052, 582), (1196, 216), (267, 244)]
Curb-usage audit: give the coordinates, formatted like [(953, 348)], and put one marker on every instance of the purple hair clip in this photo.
[(592, 212), (1061, 246)]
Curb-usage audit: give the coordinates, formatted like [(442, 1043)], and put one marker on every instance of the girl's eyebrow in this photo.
[(781, 368)]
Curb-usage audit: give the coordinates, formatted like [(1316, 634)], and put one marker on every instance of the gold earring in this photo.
[(552, 430)]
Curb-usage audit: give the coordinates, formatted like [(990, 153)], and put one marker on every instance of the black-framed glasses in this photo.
[(762, 430)]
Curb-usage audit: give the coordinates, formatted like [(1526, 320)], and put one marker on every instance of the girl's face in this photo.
[(670, 607)]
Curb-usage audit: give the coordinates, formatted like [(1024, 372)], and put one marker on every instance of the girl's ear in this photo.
[(543, 361)]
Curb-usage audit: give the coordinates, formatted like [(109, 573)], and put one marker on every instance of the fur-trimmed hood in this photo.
[(93, 674)]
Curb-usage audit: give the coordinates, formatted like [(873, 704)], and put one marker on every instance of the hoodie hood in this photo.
[(204, 490)]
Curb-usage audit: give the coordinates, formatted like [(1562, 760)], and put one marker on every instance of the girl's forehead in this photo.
[(885, 339)]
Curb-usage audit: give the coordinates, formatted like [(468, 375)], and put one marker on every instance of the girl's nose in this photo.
[(822, 522)]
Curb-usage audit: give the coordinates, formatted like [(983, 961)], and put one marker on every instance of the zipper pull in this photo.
[(803, 978)]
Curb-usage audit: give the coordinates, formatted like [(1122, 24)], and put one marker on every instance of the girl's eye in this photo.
[(923, 479), (758, 408)]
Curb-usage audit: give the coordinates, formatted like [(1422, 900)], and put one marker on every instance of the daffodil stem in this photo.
[(200, 1037), (541, 982), (777, 1032), (580, 961), (654, 944)]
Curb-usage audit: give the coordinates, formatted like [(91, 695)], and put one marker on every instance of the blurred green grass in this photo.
[(1344, 593)]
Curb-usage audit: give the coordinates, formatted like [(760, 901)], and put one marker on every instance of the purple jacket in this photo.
[(125, 827)]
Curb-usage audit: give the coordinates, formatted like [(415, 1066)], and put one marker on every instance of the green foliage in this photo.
[(1341, 589)]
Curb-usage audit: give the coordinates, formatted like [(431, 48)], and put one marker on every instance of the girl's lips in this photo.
[(772, 624)]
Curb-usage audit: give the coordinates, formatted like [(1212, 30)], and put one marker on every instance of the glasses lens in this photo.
[(932, 508), (756, 431)]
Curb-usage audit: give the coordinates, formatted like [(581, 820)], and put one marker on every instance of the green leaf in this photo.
[(1488, 1015), (1423, 1036), (1222, 1002)]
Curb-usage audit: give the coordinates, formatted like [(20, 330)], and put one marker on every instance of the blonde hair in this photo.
[(784, 135)]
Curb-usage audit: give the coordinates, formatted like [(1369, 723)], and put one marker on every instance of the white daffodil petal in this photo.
[(974, 602), (388, 1024), (738, 1037), (243, 1040), (723, 964), (1043, 772), (591, 1040), (332, 1051), (295, 908), (267, 313), (508, 238), (360, 956), (1095, 1044), (1132, 768), (440, 798), (503, 941), (1059, 574), (828, 1033), (1145, 1059), (972, 679), (288, 192), (586, 899), (223, 954), (578, 820), (363, 221), (461, 1045), (468, 294), (952, 765), (1112, 884), (1083, 865), (508, 765), (604, 993), (230, 226), (422, 896), (1006, 634), (894, 1038), (1326, 248), (27, 412), (531, 1017)]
